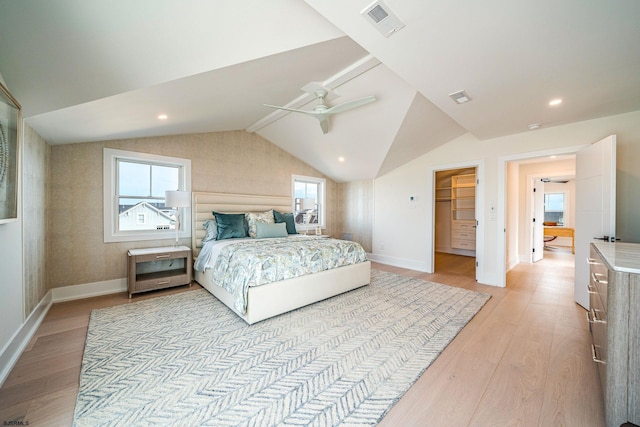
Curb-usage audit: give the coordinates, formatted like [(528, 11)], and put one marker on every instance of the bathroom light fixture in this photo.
[(555, 102), (341, 159), (162, 117)]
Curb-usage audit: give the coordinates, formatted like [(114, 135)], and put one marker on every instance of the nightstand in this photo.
[(158, 268)]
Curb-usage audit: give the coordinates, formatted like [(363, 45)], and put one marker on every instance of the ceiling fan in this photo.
[(322, 111)]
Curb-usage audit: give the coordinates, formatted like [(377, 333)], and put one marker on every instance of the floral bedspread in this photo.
[(257, 262)]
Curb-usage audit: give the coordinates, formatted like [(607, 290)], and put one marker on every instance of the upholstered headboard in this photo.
[(203, 204)]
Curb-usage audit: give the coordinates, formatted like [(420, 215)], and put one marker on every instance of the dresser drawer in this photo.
[(597, 318), (598, 277), (468, 226), (463, 244), (464, 235), (161, 256)]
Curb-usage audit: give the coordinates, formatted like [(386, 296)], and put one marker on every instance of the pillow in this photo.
[(211, 228), (288, 219), (254, 218), (229, 226), (264, 230)]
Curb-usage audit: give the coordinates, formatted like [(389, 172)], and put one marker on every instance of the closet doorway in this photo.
[(455, 218)]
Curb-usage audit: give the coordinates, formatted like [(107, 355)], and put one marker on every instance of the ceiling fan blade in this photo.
[(324, 124), (350, 104), (312, 113)]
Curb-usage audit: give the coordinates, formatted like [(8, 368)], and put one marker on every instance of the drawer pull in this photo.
[(592, 261), (163, 256), (592, 317), (164, 282), (594, 276), (595, 356), (590, 290)]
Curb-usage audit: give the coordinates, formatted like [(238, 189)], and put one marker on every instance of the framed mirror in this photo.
[(10, 129)]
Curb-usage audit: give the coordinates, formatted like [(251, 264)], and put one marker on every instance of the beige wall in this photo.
[(355, 211), (229, 162), (35, 153)]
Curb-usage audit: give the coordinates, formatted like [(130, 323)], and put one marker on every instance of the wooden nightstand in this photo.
[(158, 268)]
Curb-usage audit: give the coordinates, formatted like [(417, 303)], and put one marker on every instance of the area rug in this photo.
[(187, 360)]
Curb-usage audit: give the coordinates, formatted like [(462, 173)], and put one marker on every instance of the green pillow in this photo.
[(287, 218), (230, 226), (264, 230)]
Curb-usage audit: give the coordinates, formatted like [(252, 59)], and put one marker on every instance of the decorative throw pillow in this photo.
[(211, 230), (254, 218), (288, 219), (264, 230), (230, 226)]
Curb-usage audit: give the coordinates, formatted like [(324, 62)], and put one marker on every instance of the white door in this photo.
[(595, 206), (537, 226)]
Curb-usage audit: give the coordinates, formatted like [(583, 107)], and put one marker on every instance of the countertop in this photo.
[(620, 256)]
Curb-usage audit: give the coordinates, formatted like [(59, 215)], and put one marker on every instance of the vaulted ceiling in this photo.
[(99, 70)]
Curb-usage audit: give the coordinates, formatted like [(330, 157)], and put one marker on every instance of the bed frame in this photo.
[(274, 298)]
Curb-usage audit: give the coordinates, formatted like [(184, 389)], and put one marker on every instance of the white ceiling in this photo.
[(100, 70)]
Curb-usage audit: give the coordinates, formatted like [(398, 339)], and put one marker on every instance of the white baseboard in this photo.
[(13, 350), (400, 262), (88, 290)]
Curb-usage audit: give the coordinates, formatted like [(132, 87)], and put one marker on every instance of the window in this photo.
[(554, 208), (306, 187), (134, 186)]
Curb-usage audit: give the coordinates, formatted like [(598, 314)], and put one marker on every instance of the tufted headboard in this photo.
[(203, 204)]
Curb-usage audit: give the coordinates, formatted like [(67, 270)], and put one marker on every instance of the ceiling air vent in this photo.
[(460, 97), (382, 18)]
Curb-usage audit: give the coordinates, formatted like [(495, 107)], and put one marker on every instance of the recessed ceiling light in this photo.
[(555, 102), (534, 126), (341, 159), (162, 117)]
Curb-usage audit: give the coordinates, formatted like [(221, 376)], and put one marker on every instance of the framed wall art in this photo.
[(10, 129)]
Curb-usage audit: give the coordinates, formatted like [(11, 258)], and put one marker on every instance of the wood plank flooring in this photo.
[(524, 360)]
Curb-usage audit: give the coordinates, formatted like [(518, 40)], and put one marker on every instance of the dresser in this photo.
[(614, 322)]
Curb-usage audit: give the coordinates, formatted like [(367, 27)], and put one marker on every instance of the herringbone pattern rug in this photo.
[(187, 360)]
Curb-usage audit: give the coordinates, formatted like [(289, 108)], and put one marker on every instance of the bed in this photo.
[(278, 297)]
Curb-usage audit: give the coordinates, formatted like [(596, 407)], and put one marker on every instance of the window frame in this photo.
[(110, 196), (566, 220), (320, 201)]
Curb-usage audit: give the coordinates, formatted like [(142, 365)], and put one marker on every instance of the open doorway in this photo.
[(540, 207), (455, 219)]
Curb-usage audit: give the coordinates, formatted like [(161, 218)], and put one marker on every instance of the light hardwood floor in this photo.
[(524, 360)]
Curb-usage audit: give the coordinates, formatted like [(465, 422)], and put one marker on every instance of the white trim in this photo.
[(501, 246), (88, 290), (13, 350), (480, 205), (410, 264), (322, 200), (109, 187)]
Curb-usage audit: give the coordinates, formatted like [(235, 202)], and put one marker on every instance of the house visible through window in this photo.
[(554, 208), (135, 185), (305, 187)]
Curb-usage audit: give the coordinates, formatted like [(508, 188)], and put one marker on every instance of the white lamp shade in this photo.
[(307, 204), (177, 199)]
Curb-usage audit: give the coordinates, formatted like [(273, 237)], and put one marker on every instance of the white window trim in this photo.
[(111, 235), (322, 200)]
